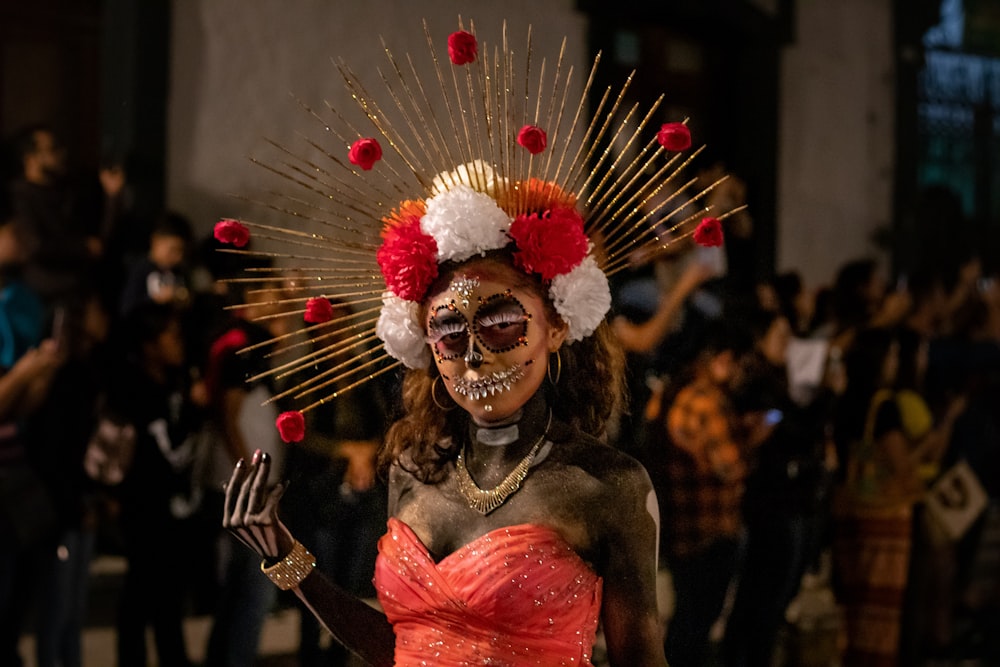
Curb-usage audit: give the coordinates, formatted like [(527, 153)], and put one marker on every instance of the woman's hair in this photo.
[(788, 286), (850, 306), (911, 347), (864, 360), (589, 391), (864, 363), (141, 325)]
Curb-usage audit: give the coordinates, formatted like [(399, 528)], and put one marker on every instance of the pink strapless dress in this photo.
[(515, 596)]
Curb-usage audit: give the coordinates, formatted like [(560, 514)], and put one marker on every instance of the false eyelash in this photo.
[(439, 331), (503, 317)]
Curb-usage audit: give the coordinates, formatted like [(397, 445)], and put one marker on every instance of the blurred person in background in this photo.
[(928, 426), (150, 389), (58, 220), (242, 419), (338, 498), (861, 298), (964, 601), (699, 469), (645, 332), (795, 301), (124, 227), (28, 362), (785, 493), (161, 276), (58, 433), (879, 486)]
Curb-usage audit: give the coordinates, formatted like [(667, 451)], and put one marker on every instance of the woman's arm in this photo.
[(251, 514), (931, 448), (904, 469), (646, 336), (629, 522), (25, 385)]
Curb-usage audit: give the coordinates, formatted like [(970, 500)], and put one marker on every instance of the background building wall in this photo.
[(836, 136), (236, 66)]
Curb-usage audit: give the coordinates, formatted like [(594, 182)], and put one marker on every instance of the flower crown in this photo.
[(463, 220), (372, 222)]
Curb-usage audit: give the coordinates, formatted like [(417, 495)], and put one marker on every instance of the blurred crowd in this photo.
[(825, 458), (124, 405)]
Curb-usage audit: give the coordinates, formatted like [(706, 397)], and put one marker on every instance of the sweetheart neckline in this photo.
[(522, 526)]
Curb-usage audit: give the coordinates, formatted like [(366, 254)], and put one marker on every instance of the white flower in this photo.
[(582, 298), (476, 174), (464, 223), (400, 329)]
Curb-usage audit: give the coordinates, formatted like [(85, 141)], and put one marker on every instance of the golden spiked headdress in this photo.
[(512, 161)]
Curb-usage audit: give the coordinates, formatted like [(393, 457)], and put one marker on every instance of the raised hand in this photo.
[(251, 510)]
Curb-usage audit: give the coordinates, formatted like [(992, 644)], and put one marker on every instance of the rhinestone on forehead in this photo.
[(464, 287)]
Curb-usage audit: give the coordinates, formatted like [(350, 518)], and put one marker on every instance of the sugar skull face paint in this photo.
[(490, 339), (499, 324)]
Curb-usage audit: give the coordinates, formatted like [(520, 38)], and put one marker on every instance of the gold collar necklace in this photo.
[(485, 502)]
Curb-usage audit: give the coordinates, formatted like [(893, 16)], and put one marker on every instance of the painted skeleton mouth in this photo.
[(491, 385)]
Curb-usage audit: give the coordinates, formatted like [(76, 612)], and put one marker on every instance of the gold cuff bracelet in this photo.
[(289, 572)]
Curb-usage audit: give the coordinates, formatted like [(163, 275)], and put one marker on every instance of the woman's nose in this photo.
[(473, 358)]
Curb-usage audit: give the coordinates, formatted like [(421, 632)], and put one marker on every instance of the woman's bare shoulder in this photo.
[(597, 458)]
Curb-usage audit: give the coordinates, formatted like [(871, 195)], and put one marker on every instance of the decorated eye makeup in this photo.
[(501, 323), (448, 333)]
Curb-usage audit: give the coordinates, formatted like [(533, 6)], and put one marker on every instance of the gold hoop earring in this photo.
[(434, 396), (548, 369)]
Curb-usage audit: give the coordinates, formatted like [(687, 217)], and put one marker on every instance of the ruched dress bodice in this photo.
[(515, 596)]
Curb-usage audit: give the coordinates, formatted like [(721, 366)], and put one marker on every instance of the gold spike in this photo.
[(430, 121), (353, 385), (353, 371), (306, 330)]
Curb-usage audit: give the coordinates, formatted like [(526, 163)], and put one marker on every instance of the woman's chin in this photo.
[(486, 412)]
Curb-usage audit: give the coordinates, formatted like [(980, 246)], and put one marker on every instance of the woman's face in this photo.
[(490, 340)]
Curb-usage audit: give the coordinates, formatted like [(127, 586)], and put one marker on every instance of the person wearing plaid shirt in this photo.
[(700, 488)]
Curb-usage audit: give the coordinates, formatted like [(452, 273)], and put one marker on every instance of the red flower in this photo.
[(224, 345), (231, 231), (674, 136), (233, 339), (408, 259), (462, 48), (291, 426), (533, 138), (318, 310), (549, 244), (365, 153), (709, 232)]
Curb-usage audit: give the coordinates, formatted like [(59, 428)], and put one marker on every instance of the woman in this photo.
[(59, 433), (513, 529), (783, 497), (29, 361), (874, 501), (583, 511)]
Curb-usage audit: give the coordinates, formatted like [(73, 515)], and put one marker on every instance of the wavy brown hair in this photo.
[(589, 391)]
